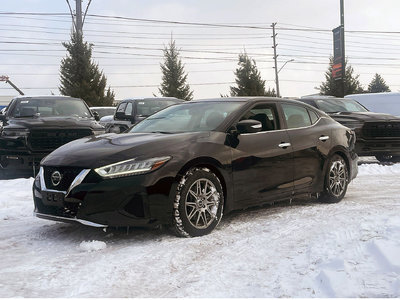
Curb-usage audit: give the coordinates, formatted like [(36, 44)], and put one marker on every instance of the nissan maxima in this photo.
[(188, 164)]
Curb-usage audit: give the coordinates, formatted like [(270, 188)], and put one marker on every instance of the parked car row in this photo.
[(187, 164)]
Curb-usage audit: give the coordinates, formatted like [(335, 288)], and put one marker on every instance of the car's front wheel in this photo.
[(336, 180), (198, 204), (387, 158)]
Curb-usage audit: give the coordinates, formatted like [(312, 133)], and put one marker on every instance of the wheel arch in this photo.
[(215, 166)]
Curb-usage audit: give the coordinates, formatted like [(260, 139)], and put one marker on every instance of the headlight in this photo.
[(15, 132), (131, 167)]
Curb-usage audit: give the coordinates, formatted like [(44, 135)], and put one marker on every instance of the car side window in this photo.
[(121, 107), (266, 114), (296, 116), (313, 116), (128, 109)]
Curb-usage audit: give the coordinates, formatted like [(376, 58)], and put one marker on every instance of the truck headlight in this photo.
[(353, 125), (15, 132), (131, 167)]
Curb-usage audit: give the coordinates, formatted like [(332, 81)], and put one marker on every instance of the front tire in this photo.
[(336, 180), (198, 204)]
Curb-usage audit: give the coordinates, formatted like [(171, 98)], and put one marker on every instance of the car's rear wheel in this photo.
[(198, 204), (336, 180), (387, 158)]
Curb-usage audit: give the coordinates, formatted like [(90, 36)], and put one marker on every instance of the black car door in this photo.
[(310, 140), (262, 162)]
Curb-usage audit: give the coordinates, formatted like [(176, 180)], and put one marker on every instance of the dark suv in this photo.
[(133, 110), (377, 134), (32, 127)]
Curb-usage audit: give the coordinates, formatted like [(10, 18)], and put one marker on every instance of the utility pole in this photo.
[(79, 22), (343, 47), (276, 61)]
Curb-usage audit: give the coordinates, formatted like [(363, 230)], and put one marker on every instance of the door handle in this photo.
[(284, 145), (324, 138)]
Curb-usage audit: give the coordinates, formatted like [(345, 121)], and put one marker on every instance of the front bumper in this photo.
[(20, 164), (372, 147), (90, 200)]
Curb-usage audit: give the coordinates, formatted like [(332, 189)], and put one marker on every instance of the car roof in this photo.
[(45, 97), (247, 99), (150, 99), (322, 98), (100, 107)]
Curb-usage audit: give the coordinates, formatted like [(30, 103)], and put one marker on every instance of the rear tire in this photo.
[(198, 204), (336, 180)]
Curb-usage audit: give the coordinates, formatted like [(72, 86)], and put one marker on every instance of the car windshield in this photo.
[(104, 111), (339, 105), (50, 108), (149, 107), (188, 117)]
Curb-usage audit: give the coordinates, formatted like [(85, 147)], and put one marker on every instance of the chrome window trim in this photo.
[(283, 129)]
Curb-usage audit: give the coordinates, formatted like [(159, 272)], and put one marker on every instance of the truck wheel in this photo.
[(198, 204), (336, 180)]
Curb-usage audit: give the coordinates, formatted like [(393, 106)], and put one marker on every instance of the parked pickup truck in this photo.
[(133, 110), (377, 134), (32, 127)]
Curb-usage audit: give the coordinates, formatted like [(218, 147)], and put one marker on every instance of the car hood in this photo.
[(52, 122), (97, 151), (362, 116)]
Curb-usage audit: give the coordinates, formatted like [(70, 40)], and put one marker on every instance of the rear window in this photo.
[(296, 116), (147, 108)]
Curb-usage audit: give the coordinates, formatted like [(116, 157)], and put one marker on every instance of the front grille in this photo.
[(50, 139), (381, 129), (68, 175)]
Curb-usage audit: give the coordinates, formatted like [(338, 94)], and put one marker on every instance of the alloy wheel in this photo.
[(201, 203), (337, 178)]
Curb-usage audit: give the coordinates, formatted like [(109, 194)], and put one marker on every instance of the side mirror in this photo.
[(3, 118), (96, 116), (249, 126)]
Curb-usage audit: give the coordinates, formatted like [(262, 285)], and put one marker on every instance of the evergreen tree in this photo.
[(248, 79), (333, 87), (378, 85), (80, 77), (173, 75)]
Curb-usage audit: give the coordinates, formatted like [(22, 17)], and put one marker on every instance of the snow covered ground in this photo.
[(307, 249)]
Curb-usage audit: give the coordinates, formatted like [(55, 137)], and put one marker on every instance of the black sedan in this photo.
[(187, 164)]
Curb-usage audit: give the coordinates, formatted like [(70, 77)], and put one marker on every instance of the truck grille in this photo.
[(68, 175), (50, 139), (381, 129)]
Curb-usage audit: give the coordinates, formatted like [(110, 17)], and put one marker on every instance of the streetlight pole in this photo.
[(285, 64)]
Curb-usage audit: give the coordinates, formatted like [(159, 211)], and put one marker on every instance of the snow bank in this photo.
[(375, 169), (90, 246), (15, 198), (306, 249)]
